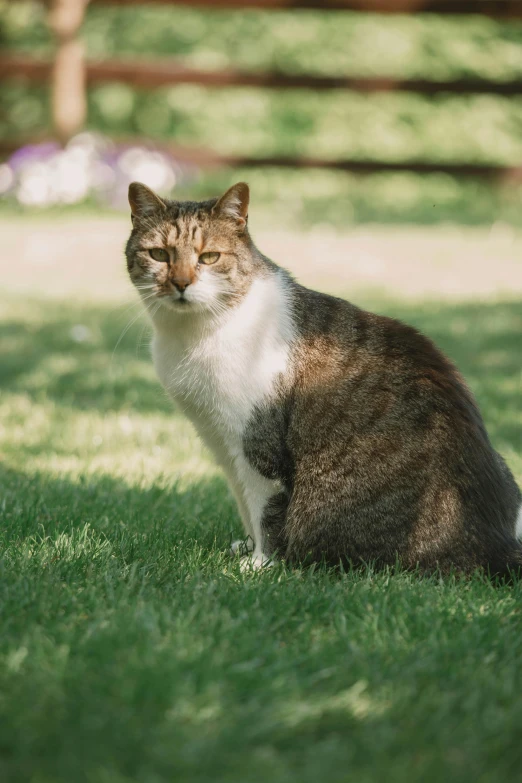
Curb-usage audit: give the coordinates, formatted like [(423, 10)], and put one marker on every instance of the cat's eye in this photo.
[(209, 258), (159, 254)]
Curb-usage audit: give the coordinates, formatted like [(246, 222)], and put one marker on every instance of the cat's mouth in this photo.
[(177, 303), (180, 303)]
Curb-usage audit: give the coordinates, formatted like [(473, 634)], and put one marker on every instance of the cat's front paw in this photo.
[(253, 562), (242, 547)]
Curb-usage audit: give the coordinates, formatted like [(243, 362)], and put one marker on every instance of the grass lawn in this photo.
[(132, 648)]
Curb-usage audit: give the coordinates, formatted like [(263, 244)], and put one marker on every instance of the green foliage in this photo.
[(298, 42), (332, 125)]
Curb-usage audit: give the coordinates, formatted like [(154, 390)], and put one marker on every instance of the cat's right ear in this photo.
[(143, 201)]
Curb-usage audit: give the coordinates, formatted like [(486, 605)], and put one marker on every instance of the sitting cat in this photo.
[(345, 436)]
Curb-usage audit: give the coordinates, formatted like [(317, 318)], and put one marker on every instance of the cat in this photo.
[(346, 437)]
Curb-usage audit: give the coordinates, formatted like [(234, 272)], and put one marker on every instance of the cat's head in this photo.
[(189, 256)]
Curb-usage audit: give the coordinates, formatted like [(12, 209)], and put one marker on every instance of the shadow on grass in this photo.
[(75, 357), (141, 524), (82, 357)]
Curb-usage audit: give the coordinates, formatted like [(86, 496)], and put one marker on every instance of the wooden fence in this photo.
[(70, 75)]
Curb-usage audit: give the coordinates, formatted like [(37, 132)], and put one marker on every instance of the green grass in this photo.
[(133, 649)]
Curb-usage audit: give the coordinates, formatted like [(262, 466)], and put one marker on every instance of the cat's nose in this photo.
[(181, 283)]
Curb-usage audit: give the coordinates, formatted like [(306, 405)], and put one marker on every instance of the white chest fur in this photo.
[(219, 375)]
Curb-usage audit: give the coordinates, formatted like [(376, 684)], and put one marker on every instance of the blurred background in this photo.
[(333, 115)]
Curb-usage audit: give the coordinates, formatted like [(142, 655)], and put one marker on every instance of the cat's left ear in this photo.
[(234, 204), (143, 201)]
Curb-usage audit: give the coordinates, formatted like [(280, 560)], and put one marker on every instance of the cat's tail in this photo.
[(506, 559), (514, 566), (515, 554)]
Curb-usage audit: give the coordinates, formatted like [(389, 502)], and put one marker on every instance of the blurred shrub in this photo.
[(293, 41), (294, 198), (261, 122), (332, 125)]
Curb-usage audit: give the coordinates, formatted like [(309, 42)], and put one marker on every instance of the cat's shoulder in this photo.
[(337, 324)]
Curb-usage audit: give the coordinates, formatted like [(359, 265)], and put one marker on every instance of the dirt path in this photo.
[(83, 257)]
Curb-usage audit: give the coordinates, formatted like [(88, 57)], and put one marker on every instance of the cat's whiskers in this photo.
[(140, 337), (217, 310), (125, 305), (152, 295), (131, 323)]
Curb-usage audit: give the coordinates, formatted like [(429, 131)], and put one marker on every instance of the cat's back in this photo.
[(383, 393), (342, 346)]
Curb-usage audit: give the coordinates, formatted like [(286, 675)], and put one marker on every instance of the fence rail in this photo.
[(501, 9), (146, 73), (69, 74), (210, 159)]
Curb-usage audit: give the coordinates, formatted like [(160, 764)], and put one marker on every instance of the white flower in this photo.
[(89, 164), (34, 185), (6, 177)]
